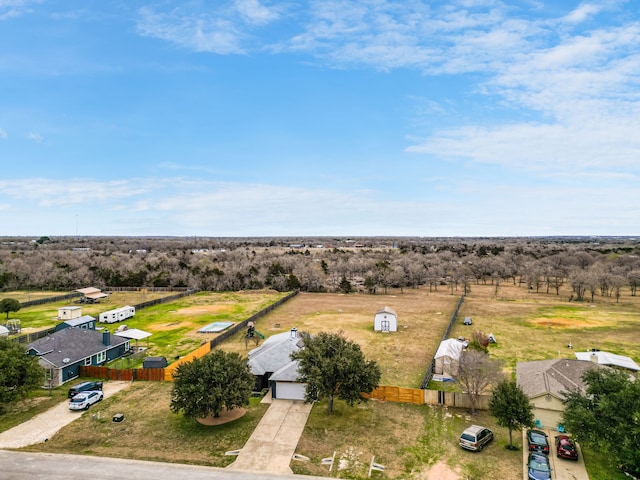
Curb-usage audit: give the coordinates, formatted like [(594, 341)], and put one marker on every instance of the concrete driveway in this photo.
[(274, 440), (45, 425), (561, 469)]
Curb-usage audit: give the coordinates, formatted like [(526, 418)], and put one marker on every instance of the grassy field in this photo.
[(150, 431), (407, 439), (403, 356), (44, 316), (539, 326), (27, 295), (173, 325)]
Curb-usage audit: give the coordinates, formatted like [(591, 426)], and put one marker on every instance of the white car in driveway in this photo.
[(82, 401)]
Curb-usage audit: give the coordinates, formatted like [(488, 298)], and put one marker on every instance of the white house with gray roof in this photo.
[(273, 368)]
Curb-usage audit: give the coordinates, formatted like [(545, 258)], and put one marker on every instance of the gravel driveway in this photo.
[(43, 426)]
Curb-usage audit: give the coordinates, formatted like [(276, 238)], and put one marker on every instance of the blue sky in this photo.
[(337, 118)]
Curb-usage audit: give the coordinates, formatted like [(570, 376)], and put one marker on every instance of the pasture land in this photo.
[(28, 295), (403, 356), (540, 326)]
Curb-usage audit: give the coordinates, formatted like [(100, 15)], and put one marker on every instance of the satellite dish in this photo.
[(66, 360)]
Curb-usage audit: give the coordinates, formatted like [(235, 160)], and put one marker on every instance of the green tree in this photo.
[(19, 372), (511, 407), (208, 385), (606, 416), (334, 367), (8, 305), (345, 285)]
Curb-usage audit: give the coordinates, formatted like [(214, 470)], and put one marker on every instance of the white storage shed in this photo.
[(385, 320)]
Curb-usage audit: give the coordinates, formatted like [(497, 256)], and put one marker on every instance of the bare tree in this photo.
[(476, 373)]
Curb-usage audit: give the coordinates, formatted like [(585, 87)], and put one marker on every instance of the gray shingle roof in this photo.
[(72, 343), (552, 376), (74, 322), (274, 353), (288, 373)]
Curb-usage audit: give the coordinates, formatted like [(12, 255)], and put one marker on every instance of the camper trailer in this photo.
[(117, 315)]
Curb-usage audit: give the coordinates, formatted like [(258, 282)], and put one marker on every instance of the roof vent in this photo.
[(66, 360)]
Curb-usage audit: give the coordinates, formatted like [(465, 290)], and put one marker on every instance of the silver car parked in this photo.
[(475, 438)]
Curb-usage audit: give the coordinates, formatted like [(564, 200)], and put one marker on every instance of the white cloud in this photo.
[(15, 8), (256, 13), (34, 137), (582, 13), (180, 206), (3, 134), (200, 33)]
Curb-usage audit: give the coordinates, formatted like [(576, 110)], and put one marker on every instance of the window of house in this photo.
[(101, 357), (87, 361)]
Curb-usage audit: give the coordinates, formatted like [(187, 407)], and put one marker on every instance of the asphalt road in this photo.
[(47, 466)]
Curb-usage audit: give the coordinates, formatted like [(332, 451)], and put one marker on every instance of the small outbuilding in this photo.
[(385, 320), (447, 357), (154, 362), (69, 313)]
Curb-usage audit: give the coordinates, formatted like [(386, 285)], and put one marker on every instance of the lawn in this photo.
[(406, 439), (150, 431), (403, 356)]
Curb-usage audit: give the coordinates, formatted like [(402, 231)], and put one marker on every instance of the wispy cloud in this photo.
[(15, 8), (34, 137), (222, 30), (3, 134), (185, 207)]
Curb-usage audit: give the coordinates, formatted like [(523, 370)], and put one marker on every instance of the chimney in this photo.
[(294, 332), (106, 338), (594, 358)]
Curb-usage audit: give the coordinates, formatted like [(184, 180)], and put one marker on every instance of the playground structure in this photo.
[(14, 326), (252, 334)]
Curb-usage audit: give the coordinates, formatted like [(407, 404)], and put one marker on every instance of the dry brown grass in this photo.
[(537, 326), (403, 356)]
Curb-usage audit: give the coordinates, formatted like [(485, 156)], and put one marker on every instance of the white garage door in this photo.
[(290, 390)]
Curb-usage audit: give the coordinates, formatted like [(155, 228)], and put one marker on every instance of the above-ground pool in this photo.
[(215, 327)]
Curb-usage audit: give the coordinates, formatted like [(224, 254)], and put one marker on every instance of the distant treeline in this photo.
[(603, 266)]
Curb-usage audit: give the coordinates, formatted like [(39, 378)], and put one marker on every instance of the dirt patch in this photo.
[(441, 471), (225, 417), (564, 323), (159, 327), (203, 309)]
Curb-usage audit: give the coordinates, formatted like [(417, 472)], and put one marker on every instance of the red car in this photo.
[(565, 448)]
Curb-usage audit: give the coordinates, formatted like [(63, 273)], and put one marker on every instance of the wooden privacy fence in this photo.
[(127, 375), (454, 399), (419, 396), (197, 353), (398, 394)]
